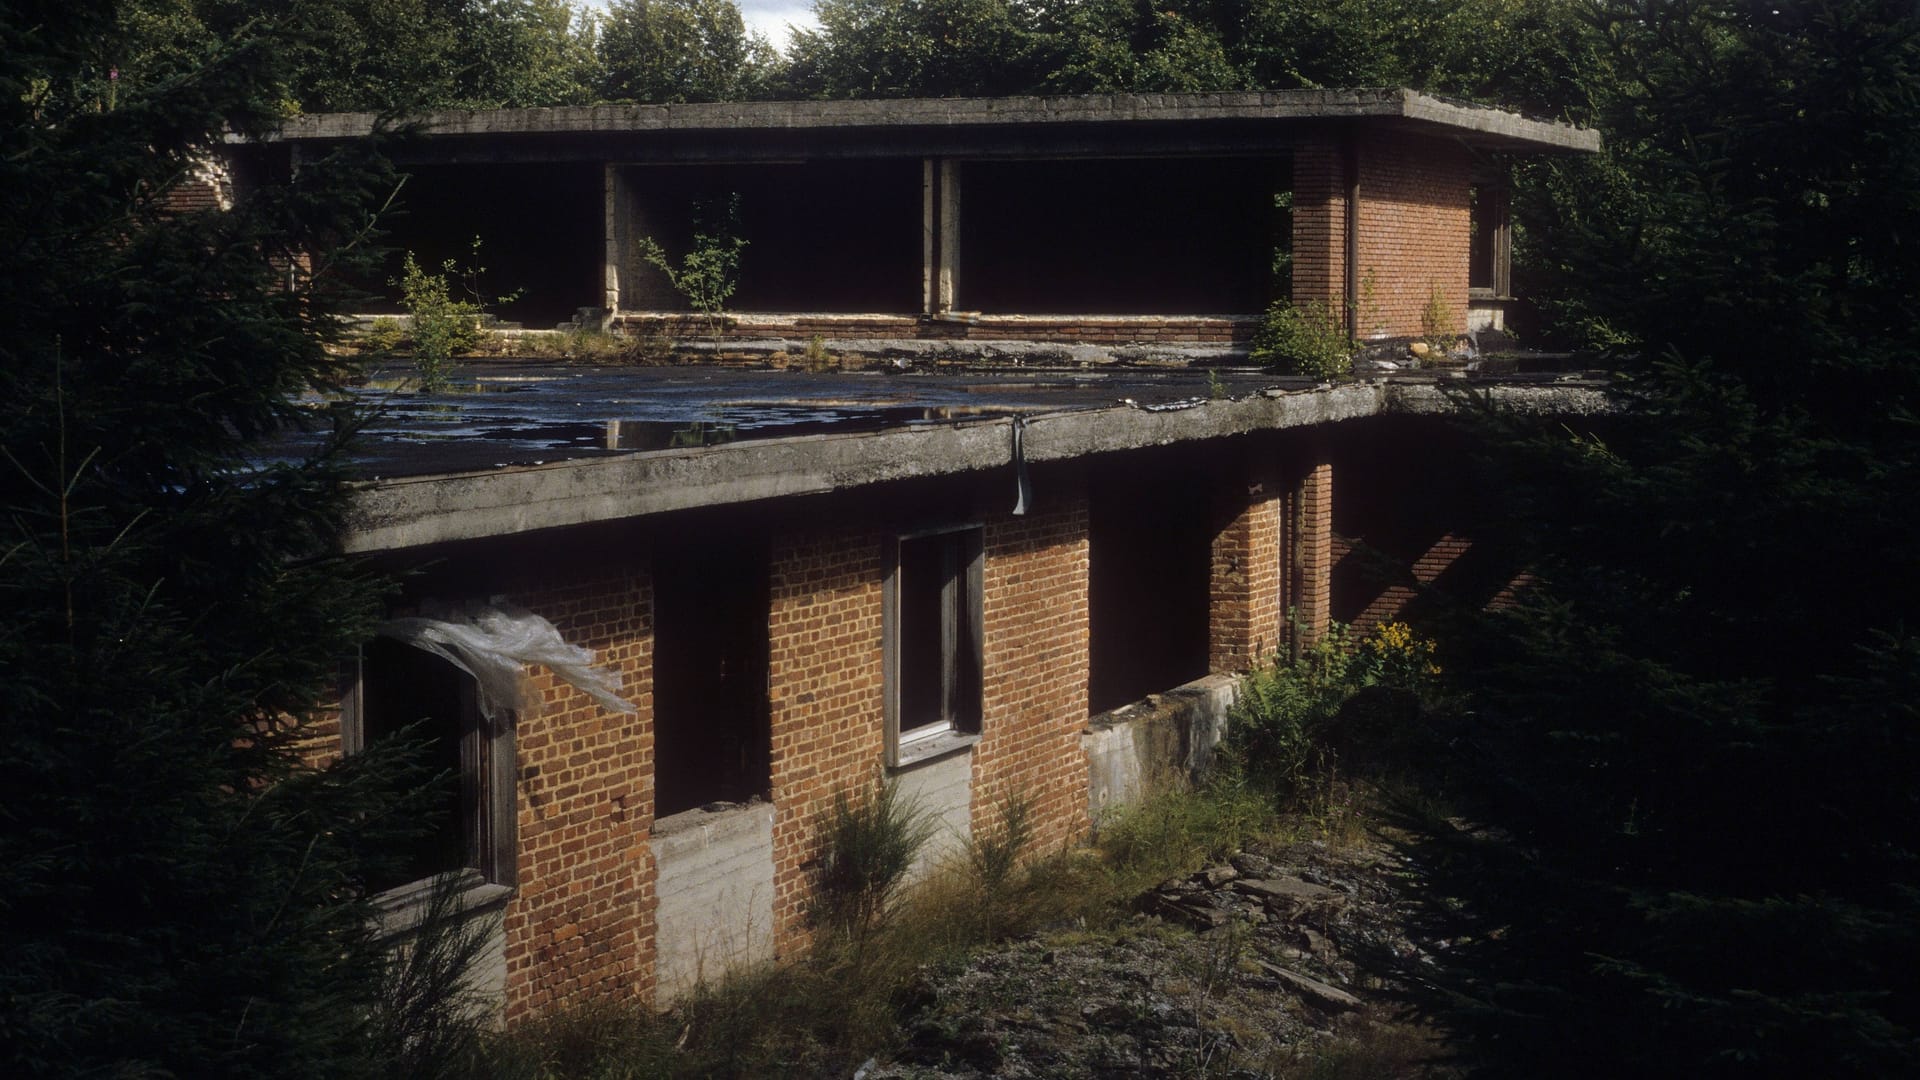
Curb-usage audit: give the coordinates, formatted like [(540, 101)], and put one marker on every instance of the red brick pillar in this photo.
[(1311, 554), (1244, 611), (825, 695), (1320, 221)]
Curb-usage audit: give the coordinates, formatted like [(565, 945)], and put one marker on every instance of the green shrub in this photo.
[(709, 272), (443, 327), (1303, 339), (384, 335), (866, 849)]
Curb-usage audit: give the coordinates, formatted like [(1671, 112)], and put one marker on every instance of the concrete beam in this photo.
[(1487, 126)]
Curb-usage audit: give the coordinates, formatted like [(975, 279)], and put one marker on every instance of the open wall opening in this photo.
[(711, 738), (822, 236), (541, 229), (1149, 554), (1174, 236), (1412, 523)]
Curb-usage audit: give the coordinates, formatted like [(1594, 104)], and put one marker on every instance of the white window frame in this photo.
[(912, 739)]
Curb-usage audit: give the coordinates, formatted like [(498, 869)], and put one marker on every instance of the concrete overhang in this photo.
[(418, 511), (1116, 123)]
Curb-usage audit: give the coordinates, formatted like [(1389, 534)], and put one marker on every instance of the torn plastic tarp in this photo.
[(494, 644)]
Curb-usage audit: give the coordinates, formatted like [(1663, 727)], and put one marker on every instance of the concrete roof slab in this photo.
[(1478, 125)]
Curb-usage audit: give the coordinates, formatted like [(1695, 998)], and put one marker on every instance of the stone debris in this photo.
[(1228, 972)]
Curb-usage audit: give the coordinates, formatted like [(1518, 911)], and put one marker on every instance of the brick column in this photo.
[(1311, 553), (580, 927), (1034, 701), (1244, 609), (825, 697), (1319, 221)]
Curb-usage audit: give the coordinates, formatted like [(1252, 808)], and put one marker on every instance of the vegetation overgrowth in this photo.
[(880, 935)]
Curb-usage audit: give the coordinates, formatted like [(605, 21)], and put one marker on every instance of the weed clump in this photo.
[(866, 850), (1303, 339)]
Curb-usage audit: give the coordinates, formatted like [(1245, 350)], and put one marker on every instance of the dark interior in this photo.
[(1117, 237), (410, 693), (541, 230), (1149, 557), (825, 236), (711, 736)]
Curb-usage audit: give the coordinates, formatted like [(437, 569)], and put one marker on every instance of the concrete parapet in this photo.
[(1163, 742)]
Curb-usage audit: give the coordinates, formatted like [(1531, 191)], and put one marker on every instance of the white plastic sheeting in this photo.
[(494, 644)]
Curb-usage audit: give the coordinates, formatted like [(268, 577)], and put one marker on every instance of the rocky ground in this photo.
[(1285, 961)]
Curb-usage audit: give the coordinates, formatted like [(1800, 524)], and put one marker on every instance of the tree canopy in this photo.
[(180, 893)]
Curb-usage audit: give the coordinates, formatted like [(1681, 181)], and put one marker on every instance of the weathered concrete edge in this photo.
[(960, 112), (417, 511)]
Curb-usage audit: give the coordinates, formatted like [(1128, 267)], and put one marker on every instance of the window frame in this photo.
[(961, 628), (1490, 209), (489, 815)]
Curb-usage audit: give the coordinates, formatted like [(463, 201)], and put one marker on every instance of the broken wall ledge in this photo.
[(418, 511)]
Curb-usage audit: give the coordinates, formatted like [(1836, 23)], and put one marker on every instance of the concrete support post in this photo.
[(615, 241), (929, 236), (1311, 553), (948, 289), (1245, 609)]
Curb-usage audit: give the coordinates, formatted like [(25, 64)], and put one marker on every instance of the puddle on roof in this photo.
[(762, 422)]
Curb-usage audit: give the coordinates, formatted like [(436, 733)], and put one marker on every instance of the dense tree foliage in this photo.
[(665, 51), (179, 896), (1515, 51), (1702, 724), (386, 56)]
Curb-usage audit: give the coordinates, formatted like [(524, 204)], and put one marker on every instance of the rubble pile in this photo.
[(1238, 970)]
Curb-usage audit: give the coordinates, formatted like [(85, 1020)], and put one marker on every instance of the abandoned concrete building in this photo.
[(967, 583)]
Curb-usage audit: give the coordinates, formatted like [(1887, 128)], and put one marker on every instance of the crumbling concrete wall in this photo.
[(1162, 743), (715, 886), (942, 789)]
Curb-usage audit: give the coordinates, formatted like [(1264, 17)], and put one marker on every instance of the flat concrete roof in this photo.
[(617, 126), (950, 425)]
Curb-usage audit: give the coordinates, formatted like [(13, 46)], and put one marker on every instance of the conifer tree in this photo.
[(179, 894)]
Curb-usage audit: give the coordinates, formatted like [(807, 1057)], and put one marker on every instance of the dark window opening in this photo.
[(408, 692), (936, 637), (822, 236), (1150, 551), (1489, 244), (1131, 236), (711, 739), (541, 229)]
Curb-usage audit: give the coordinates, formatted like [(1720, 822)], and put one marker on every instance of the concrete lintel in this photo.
[(1473, 123), (417, 511)]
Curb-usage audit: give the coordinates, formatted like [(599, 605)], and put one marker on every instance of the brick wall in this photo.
[(581, 924), (1413, 231), (824, 687), (207, 186), (1244, 605), (1035, 661), (1392, 603)]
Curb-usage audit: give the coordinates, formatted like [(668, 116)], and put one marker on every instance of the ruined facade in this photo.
[(1112, 220), (968, 605)]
